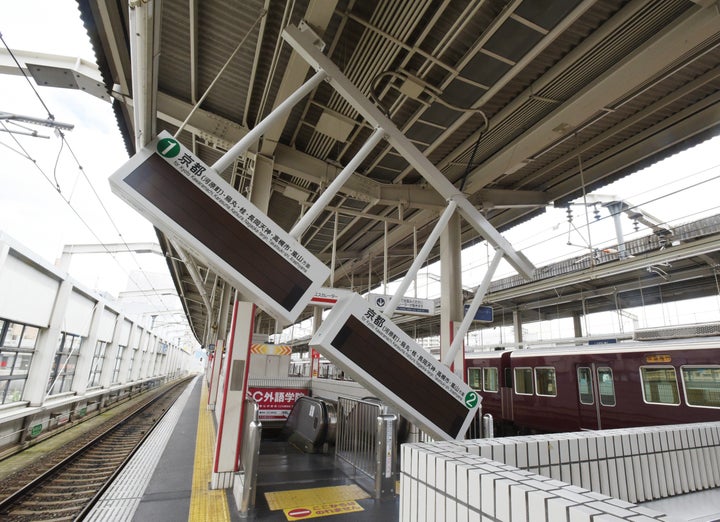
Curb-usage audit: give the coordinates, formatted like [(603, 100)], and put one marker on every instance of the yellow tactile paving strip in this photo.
[(314, 496), (206, 504)]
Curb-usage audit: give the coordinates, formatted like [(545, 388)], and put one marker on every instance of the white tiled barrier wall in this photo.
[(583, 476)]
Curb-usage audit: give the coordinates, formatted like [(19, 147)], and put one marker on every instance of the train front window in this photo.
[(702, 385), (490, 379), (585, 386), (545, 382), (659, 385), (606, 387), (474, 378), (523, 381)]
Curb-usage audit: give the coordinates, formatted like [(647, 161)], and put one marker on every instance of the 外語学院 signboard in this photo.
[(190, 203), (374, 351)]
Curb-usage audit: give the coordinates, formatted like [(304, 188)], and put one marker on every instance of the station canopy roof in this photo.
[(519, 104)]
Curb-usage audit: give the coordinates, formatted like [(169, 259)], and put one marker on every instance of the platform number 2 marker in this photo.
[(471, 399)]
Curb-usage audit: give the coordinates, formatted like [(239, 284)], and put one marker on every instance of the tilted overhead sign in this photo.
[(374, 351), (190, 203)]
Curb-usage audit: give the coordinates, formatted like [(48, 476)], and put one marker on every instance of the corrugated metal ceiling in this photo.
[(534, 71)]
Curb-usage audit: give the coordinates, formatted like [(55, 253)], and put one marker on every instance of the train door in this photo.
[(587, 397), (507, 387)]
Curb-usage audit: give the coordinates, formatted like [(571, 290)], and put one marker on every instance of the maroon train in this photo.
[(606, 386)]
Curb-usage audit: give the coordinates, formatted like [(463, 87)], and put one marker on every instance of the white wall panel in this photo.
[(107, 325), (27, 295), (124, 339), (79, 314)]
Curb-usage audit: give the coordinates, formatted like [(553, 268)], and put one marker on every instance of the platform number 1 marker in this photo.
[(168, 147)]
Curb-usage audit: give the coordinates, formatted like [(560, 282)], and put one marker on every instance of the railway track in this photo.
[(67, 483)]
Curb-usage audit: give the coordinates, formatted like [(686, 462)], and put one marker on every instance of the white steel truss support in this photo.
[(470, 314), (325, 198), (251, 137), (420, 258), (304, 42)]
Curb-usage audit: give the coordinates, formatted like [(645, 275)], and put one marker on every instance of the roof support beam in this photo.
[(304, 43), (144, 52), (648, 61)]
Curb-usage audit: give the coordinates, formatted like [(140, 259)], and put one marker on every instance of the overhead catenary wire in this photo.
[(56, 185)]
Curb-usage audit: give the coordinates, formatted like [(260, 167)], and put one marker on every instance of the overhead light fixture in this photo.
[(335, 125)]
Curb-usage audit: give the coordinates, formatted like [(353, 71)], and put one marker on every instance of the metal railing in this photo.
[(366, 440), (249, 457)]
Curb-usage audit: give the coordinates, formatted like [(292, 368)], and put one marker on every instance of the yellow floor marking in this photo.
[(206, 504), (314, 496), (322, 510)]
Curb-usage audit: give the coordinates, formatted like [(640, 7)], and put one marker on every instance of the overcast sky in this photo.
[(48, 199)]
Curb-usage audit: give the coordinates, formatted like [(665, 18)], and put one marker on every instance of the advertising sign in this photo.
[(407, 305), (191, 203), (276, 403), (375, 352)]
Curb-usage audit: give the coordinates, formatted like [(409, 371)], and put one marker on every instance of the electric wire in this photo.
[(56, 186)]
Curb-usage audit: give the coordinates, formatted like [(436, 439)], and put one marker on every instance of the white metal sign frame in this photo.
[(368, 346), (210, 190)]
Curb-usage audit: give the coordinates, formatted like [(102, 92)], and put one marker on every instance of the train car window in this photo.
[(659, 385), (523, 381), (585, 386), (474, 378), (545, 382), (606, 387), (508, 378), (702, 385), (490, 379)]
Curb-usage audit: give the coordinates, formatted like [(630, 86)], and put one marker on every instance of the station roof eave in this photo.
[(517, 106)]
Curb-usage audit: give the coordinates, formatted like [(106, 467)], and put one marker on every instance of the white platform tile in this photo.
[(582, 513), (519, 508), (557, 508), (463, 514), (475, 487), (487, 486), (608, 507), (450, 509), (405, 496), (415, 506), (638, 454), (533, 458), (502, 498), (462, 482), (521, 454), (537, 505)]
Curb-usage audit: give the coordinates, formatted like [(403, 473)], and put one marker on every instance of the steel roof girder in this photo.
[(648, 61), (358, 187), (303, 43)]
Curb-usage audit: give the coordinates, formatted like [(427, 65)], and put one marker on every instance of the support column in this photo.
[(451, 305), (87, 351), (231, 400), (232, 403), (577, 324), (216, 374), (517, 328), (111, 352), (47, 345), (214, 384)]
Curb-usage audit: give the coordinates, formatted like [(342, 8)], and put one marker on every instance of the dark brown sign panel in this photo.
[(192, 204), (369, 347), (210, 224)]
